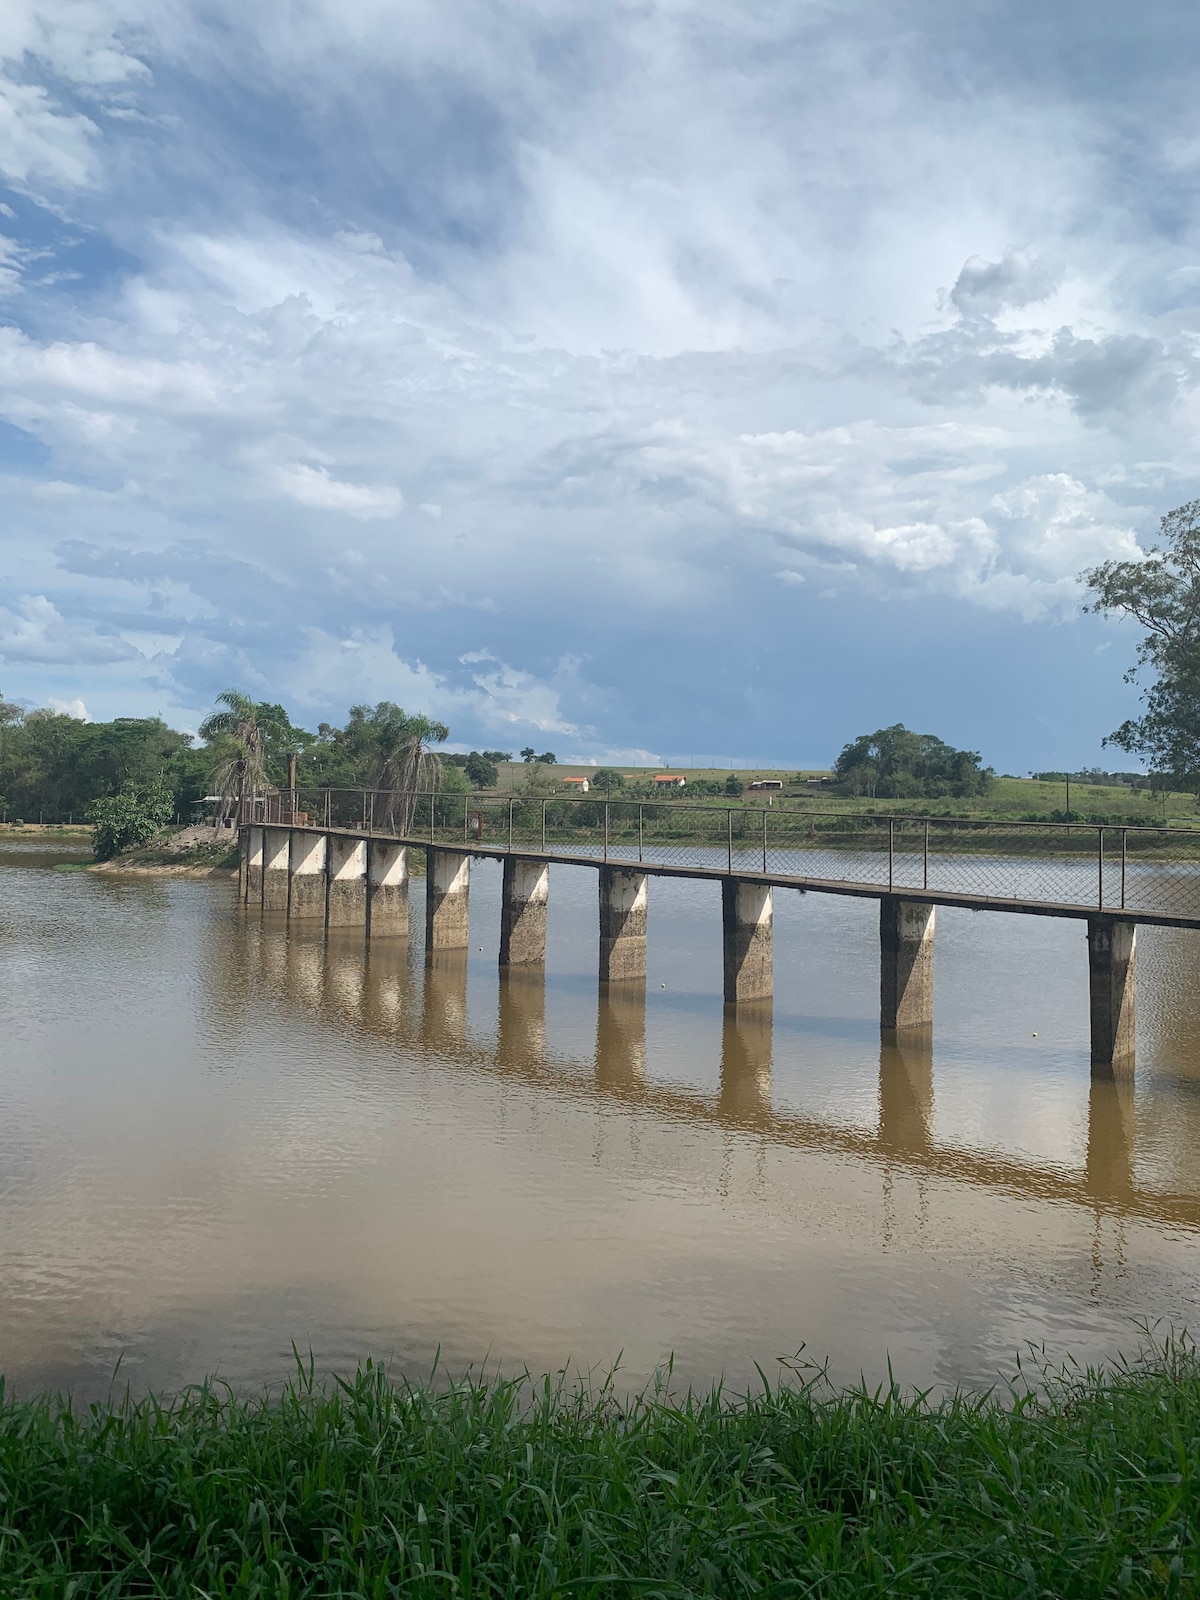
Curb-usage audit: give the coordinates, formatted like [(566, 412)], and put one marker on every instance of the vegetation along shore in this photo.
[(1084, 1484)]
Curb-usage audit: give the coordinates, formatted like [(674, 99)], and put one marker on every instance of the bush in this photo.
[(131, 817)]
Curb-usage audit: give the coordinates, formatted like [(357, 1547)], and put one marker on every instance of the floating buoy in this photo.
[(1035, 1036)]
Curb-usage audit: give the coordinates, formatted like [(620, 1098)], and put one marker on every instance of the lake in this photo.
[(221, 1137)]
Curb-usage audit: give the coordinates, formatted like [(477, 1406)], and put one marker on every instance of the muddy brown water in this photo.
[(220, 1137)]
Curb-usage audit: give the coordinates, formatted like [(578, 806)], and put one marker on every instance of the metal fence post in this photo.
[(329, 808), (431, 816), (606, 830), (925, 867), (1123, 831), (639, 832), (364, 813), (510, 815), (543, 826), (1100, 867), (729, 838), (891, 849), (764, 817)]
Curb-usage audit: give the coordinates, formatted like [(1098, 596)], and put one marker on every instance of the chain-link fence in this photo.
[(1151, 870)]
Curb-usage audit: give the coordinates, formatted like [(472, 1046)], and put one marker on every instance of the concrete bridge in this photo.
[(351, 869)]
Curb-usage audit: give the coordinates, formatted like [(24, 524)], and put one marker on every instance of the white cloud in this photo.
[(654, 313), (70, 708), (37, 632), (313, 486)]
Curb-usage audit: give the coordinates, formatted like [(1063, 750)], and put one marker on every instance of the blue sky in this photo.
[(655, 379)]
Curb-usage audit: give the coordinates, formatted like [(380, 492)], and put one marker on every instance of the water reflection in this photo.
[(389, 991), (260, 1133), (906, 1092)]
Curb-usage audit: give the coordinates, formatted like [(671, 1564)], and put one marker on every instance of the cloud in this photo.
[(37, 632), (657, 318), (984, 288), (313, 486)]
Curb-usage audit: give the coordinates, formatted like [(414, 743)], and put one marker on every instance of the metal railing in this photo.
[(1107, 867)]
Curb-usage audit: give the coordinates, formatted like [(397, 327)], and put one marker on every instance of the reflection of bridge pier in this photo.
[(1110, 1145), (906, 1093), (521, 1021), (621, 1035), (444, 1001), (747, 1037)]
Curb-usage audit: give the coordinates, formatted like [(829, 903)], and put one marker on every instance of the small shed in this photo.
[(670, 780), (578, 785), (767, 783)]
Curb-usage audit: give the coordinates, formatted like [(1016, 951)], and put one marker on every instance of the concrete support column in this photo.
[(277, 852), (252, 865), (346, 905), (447, 886), (622, 924), (906, 964), (524, 908), (1111, 950), (746, 921), (387, 888), (307, 865)]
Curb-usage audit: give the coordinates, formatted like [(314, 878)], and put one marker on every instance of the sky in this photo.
[(641, 381)]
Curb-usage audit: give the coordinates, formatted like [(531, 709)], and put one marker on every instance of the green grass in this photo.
[(1083, 1487), (1007, 799)]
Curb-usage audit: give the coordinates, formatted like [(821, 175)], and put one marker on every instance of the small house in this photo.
[(767, 783), (577, 785), (669, 780)]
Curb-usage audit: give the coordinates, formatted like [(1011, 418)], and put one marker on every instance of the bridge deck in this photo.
[(849, 888)]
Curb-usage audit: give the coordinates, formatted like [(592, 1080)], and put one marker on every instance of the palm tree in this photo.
[(399, 761), (238, 735)]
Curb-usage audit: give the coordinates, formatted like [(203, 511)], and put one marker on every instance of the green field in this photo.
[(1008, 799), (1084, 1486)]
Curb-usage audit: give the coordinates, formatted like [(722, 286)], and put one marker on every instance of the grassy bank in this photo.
[(485, 1489)]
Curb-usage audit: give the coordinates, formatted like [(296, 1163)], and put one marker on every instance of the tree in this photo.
[(129, 817), (243, 737), (893, 763), (395, 755), (733, 785), (482, 772), (548, 758), (607, 779), (528, 755), (1161, 592)]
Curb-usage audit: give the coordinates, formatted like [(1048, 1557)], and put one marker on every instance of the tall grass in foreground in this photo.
[(1086, 1487)]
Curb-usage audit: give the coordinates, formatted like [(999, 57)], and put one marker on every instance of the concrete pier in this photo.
[(307, 866), (387, 888), (746, 919), (524, 907), (906, 963), (622, 924), (1111, 950), (346, 906), (252, 865), (277, 851), (447, 886)]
